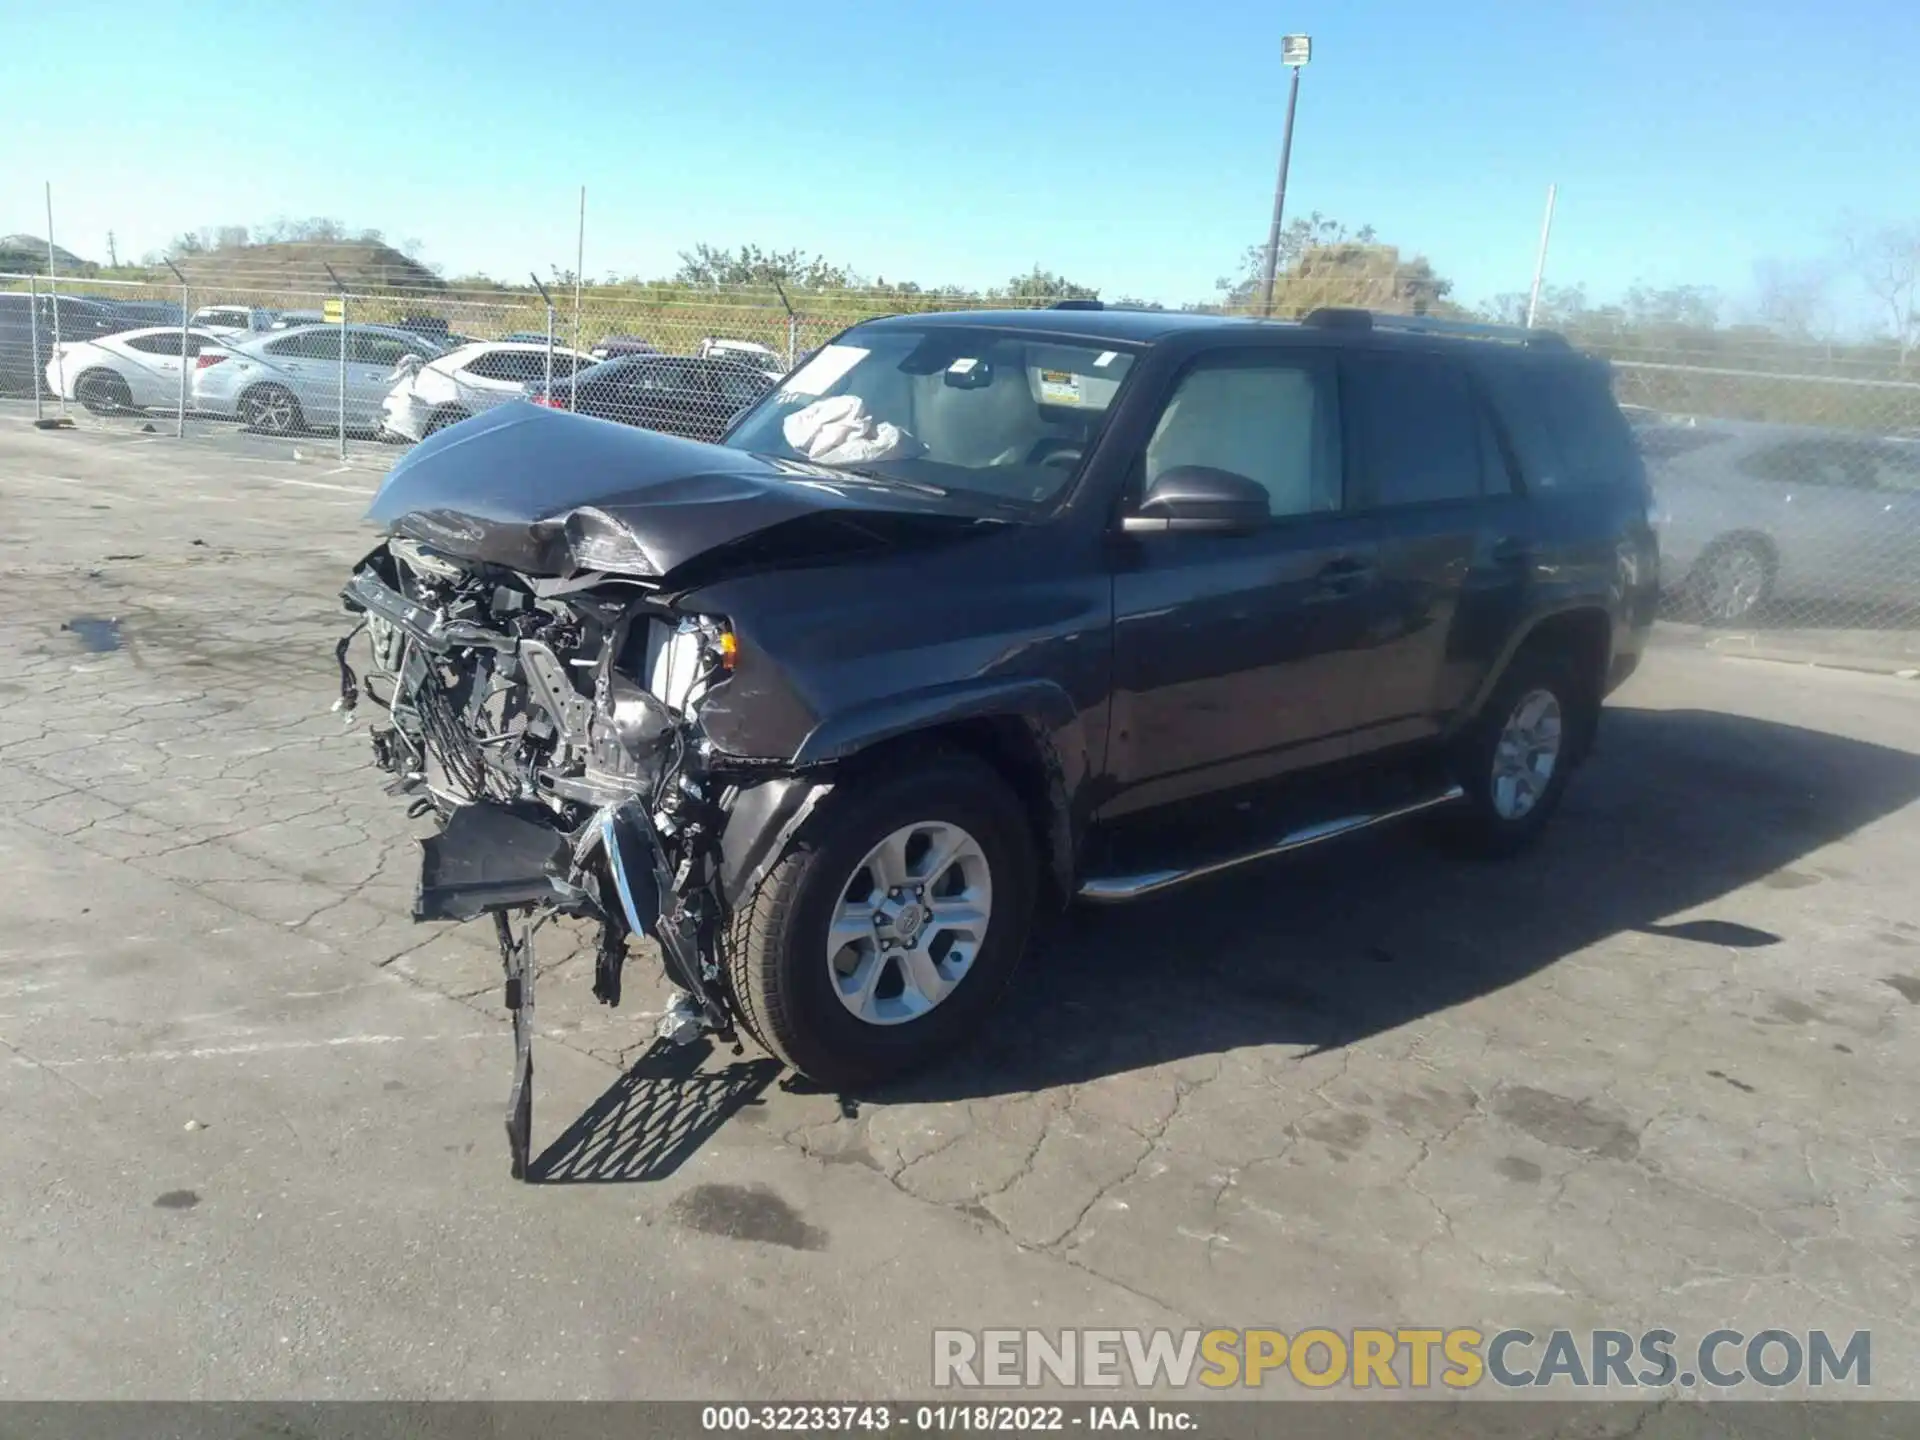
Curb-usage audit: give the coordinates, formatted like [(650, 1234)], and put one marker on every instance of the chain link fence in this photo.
[(1787, 477), (1788, 503)]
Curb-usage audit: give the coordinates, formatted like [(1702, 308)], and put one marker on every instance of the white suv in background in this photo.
[(463, 382), (232, 319)]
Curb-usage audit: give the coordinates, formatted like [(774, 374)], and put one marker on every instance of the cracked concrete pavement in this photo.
[(1658, 1072)]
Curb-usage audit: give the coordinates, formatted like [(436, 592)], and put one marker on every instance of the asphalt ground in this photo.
[(1658, 1072)]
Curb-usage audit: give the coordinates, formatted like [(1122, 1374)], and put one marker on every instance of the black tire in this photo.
[(1482, 825), (441, 419), (272, 410), (1729, 583), (101, 392), (776, 955)]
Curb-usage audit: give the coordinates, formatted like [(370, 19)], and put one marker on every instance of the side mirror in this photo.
[(1200, 500)]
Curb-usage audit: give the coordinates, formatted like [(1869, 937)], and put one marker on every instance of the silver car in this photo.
[(1751, 513), (288, 381)]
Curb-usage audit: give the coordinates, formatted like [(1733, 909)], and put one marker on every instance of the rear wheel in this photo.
[(1515, 761), (889, 930), (272, 410), (101, 392), (450, 415), (1730, 582)]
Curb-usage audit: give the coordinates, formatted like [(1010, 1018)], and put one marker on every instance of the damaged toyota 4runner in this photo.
[(977, 614)]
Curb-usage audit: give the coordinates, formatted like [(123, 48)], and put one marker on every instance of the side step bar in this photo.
[(1120, 889)]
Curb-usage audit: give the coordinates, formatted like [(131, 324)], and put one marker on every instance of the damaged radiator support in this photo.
[(535, 824)]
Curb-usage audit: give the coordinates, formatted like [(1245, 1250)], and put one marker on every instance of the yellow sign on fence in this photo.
[(334, 311)]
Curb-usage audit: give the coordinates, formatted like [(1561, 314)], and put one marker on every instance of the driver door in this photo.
[(1239, 657)]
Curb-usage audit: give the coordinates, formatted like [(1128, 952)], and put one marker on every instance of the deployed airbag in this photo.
[(840, 431)]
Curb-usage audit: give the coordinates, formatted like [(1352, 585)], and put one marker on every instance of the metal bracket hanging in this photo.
[(516, 959)]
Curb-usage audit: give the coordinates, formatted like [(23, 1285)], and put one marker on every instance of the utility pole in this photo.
[(113, 255), (1540, 260), (1295, 51)]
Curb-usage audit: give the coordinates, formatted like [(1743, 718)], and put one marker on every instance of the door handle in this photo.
[(1345, 575), (1511, 551)]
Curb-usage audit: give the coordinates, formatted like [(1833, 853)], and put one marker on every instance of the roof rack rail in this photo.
[(1332, 317), (1077, 305)]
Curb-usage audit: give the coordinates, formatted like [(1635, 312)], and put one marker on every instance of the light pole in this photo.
[(1295, 51)]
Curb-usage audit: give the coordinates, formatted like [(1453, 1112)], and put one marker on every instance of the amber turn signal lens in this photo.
[(729, 649)]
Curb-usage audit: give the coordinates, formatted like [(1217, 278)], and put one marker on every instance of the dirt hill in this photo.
[(303, 266)]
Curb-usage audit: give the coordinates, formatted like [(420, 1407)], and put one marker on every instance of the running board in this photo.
[(1120, 889)]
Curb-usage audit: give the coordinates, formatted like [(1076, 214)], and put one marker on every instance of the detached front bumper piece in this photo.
[(491, 858)]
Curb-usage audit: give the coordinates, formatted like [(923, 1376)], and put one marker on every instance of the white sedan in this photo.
[(463, 382), (133, 370)]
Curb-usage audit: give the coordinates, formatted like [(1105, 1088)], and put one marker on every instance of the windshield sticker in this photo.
[(1107, 357), (1059, 387), (963, 366), (824, 370)]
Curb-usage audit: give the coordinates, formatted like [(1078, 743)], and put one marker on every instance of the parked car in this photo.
[(286, 381), (294, 319), (525, 337), (672, 393), (25, 319), (1752, 513), (980, 612), (138, 313), (240, 319), (615, 346), (128, 370), (748, 352), (466, 381)]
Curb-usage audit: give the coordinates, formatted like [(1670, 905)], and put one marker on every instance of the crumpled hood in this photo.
[(551, 493)]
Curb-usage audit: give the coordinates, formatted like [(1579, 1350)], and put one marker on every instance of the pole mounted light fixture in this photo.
[(1295, 51)]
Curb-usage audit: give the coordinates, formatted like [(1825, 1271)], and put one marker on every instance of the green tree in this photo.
[(1040, 283), (710, 267)]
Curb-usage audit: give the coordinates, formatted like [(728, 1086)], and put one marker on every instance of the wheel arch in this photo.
[(1581, 632), (1028, 731)]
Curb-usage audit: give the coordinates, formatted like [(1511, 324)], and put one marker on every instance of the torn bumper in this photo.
[(492, 858)]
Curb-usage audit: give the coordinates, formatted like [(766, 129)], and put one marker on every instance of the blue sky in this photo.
[(1130, 144)]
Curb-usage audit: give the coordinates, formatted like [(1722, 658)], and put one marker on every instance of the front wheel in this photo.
[(887, 933), (1729, 583), (1516, 759)]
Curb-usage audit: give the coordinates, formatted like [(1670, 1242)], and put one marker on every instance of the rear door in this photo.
[(153, 368), (308, 363), (1453, 541)]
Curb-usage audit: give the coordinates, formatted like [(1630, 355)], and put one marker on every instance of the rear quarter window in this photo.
[(1560, 416)]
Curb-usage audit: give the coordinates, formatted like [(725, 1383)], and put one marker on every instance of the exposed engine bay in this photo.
[(551, 726)]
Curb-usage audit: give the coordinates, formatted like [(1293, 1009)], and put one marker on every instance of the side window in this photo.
[(1414, 425), (166, 342), (1273, 419), (1899, 467), (1567, 432), (1829, 464), (738, 387), (365, 349), (314, 345), (489, 366)]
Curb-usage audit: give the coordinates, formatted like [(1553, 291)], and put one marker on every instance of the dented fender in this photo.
[(762, 819)]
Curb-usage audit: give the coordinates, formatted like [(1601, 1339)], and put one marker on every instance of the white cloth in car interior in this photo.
[(839, 431), (1256, 423)]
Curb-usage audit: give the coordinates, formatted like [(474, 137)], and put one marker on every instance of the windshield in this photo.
[(996, 413)]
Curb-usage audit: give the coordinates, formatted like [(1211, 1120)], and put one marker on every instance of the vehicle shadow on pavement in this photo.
[(653, 1119), (1677, 812)]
